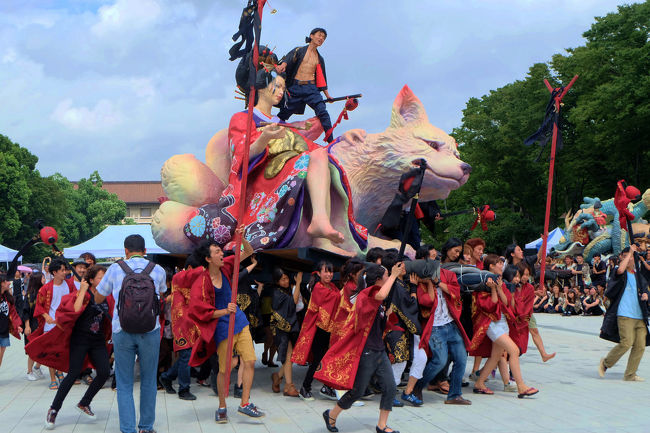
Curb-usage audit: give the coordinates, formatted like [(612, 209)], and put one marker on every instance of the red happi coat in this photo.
[(322, 306), (428, 308), (14, 319), (484, 311), (342, 312), (43, 302), (524, 299), (201, 310), (184, 329), (52, 348), (339, 366)]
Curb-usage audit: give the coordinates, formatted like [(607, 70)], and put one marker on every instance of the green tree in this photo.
[(77, 211), (605, 127), (16, 167), (90, 208)]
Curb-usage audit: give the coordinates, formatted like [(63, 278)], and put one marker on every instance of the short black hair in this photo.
[(389, 260), (56, 264), (90, 256), (134, 243), (374, 253), (510, 272), (597, 255), (202, 251), (423, 251), (192, 261), (314, 31)]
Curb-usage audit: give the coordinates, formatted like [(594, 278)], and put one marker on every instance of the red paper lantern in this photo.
[(49, 235)]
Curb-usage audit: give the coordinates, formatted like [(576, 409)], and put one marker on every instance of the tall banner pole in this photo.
[(559, 94), (242, 200)]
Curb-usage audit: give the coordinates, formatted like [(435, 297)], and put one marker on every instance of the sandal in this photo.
[(383, 430), (528, 392), (87, 379), (59, 376), (328, 418), (485, 391), (54, 385), (440, 388)]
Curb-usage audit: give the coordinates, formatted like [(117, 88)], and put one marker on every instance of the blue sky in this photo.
[(120, 86)]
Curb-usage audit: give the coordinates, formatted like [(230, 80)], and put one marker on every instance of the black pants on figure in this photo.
[(79, 348), (376, 363), (318, 349)]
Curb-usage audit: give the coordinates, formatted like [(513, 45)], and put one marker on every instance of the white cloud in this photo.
[(102, 116), (148, 79), (125, 16)]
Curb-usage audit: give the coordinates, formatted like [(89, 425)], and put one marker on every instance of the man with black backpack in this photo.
[(136, 284)]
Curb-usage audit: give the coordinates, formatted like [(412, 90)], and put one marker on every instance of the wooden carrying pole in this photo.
[(551, 169), (242, 204)]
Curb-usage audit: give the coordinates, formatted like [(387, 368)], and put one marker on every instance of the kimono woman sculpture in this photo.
[(291, 180)]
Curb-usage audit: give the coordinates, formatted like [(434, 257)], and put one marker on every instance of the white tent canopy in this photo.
[(6, 254), (110, 242), (553, 239)]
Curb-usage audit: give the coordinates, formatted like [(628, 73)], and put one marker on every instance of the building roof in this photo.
[(147, 191)]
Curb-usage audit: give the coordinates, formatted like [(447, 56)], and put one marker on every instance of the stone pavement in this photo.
[(572, 399)]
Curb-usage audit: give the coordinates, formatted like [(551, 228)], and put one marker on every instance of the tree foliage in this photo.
[(605, 127), (77, 211)]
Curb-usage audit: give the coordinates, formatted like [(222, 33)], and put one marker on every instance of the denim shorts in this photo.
[(497, 329), (4, 342)]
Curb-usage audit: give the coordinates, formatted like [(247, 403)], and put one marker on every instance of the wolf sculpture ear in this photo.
[(407, 108)]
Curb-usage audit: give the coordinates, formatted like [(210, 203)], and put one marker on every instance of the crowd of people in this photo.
[(576, 287), (377, 324)]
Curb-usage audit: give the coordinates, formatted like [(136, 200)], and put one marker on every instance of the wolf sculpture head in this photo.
[(375, 162)]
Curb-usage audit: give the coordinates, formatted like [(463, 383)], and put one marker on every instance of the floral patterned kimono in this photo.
[(275, 193)]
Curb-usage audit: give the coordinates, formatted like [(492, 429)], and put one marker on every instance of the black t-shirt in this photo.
[(375, 340), (599, 279), (91, 322), (4, 317)]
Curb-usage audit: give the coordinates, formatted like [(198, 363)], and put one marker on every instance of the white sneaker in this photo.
[(31, 377), (38, 373)]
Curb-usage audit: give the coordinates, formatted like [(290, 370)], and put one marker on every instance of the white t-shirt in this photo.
[(57, 293), (77, 284), (441, 315)]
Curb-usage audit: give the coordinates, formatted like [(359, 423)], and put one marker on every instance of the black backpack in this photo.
[(138, 306)]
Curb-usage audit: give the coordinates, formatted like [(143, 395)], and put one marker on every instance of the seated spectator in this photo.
[(592, 304), (541, 296), (551, 306), (572, 305)]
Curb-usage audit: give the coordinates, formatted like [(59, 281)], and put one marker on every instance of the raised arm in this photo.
[(296, 289), (397, 271)]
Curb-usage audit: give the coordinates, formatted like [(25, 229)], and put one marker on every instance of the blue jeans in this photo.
[(446, 341), (126, 346), (180, 369)]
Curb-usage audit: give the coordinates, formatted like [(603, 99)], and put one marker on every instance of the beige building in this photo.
[(141, 198)]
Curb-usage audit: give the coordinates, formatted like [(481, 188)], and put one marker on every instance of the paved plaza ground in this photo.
[(572, 399)]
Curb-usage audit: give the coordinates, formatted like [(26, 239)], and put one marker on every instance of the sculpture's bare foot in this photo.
[(320, 227), (326, 245)]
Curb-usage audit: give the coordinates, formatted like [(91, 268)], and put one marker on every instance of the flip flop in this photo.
[(528, 392), (486, 391)]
